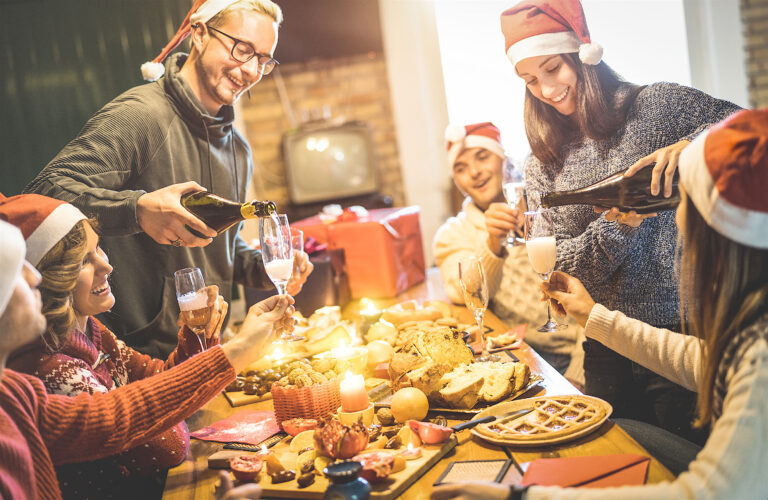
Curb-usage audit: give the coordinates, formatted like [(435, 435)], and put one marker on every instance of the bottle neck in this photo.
[(254, 209)]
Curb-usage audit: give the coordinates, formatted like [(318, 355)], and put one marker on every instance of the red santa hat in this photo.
[(477, 135), (11, 261), (725, 173), (548, 27), (202, 11), (43, 221)]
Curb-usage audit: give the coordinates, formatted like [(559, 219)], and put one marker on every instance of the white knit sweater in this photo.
[(513, 286), (734, 460)]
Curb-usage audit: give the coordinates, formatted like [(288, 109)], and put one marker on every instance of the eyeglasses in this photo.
[(243, 52)]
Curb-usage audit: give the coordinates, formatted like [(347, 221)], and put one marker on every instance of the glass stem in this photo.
[(201, 340), (479, 320)]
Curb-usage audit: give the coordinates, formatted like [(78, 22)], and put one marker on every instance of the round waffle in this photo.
[(554, 419)]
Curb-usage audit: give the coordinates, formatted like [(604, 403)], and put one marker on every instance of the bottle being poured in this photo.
[(220, 213), (624, 193)]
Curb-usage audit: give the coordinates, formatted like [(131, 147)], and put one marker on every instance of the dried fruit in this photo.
[(305, 480), (282, 476), (374, 431), (394, 443)]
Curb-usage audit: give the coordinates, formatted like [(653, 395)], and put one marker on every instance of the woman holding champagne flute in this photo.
[(585, 123), (78, 354)]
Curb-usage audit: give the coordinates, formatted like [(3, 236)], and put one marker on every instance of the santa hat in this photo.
[(43, 221), (11, 260), (725, 173), (202, 11), (547, 27), (477, 135)]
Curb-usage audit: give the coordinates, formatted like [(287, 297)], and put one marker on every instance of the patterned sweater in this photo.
[(734, 460), (70, 371), (628, 269), (513, 286), (38, 430)]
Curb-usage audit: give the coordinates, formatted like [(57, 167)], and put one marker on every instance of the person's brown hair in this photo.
[(60, 268), (723, 288), (597, 115)]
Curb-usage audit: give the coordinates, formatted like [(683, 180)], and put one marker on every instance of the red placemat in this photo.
[(246, 426), (590, 472)]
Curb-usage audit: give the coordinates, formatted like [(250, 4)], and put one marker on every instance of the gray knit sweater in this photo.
[(626, 269)]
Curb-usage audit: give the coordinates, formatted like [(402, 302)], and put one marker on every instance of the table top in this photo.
[(193, 480)]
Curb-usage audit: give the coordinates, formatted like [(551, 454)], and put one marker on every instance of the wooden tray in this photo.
[(510, 406), (239, 398), (382, 397), (391, 488)]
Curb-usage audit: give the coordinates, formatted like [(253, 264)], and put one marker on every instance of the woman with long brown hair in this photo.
[(584, 123), (723, 226), (78, 354)]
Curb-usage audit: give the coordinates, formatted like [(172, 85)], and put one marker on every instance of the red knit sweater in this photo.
[(38, 430)]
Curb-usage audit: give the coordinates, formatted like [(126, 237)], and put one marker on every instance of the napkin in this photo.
[(246, 426), (590, 472)]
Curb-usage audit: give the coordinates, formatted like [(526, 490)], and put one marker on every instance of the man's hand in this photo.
[(631, 218), (567, 295), (297, 280), (500, 219), (162, 216), (666, 160), (226, 490)]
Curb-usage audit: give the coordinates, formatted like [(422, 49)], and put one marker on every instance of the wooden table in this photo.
[(193, 480)]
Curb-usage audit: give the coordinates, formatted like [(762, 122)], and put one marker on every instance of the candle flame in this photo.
[(410, 446), (264, 448), (277, 354), (368, 307)]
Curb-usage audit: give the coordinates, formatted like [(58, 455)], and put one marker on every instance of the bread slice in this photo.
[(428, 378), (444, 346), (462, 389), (498, 381), (405, 359), (522, 376)]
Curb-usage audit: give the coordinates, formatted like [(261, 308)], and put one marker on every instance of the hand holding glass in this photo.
[(513, 187), (193, 301), (542, 252), (475, 290), (277, 255)]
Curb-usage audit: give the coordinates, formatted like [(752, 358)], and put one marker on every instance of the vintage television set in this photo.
[(330, 163)]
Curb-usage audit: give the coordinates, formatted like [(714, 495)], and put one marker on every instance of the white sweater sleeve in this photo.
[(733, 462), (670, 354)]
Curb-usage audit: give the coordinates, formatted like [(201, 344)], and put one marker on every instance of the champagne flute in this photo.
[(474, 287), (277, 255), (513, 187), (193, 301), (541, 245)]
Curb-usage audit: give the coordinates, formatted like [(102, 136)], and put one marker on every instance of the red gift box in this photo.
[(383, 249)]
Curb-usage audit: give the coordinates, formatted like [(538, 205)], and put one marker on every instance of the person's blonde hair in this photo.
[(723, 289), (60, 268), (266, 7)]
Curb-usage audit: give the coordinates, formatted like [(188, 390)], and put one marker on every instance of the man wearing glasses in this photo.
[(134, 159)]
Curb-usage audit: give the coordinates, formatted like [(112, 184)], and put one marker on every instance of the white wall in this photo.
[(419, 107)]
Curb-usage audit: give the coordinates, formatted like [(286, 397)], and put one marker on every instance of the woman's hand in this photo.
[(470, 491), (219, 308), (261, 323), (567, 295), (295, 282), (500, 219), (666, 160), (631, 218)]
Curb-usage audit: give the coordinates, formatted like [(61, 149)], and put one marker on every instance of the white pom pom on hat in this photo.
[(455, 133), (543, 27)]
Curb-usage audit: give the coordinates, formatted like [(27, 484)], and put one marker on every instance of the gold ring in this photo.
[(176, 242)]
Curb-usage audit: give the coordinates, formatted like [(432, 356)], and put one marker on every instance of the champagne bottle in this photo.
[(625, 193), (220, 213)]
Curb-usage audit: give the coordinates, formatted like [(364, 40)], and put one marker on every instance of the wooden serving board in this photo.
[(390, 488), (239, 398)]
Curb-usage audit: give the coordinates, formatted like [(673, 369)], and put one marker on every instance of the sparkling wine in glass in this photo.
[(513, 187), (541, 245), (277, 255), (193, 301), (474, 287)]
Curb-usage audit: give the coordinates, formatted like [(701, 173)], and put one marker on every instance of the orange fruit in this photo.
[(409, 403)]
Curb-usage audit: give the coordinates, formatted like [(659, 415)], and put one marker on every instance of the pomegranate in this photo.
[(336, 440), (294, 426), (245, 467)]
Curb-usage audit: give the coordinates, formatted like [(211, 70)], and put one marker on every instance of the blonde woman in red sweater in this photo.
[(79, 354), (38, 430)]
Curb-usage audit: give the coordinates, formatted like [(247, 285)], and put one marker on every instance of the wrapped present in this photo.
[(382, 248), (326, 286)]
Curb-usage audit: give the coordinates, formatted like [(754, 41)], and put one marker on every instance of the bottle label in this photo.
[(248, 210)]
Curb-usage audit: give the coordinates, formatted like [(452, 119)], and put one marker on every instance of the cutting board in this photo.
[(239, 398), (391, 488)]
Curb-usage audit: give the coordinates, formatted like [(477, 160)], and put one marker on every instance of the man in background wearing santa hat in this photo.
[(476, 156), (134, 159)]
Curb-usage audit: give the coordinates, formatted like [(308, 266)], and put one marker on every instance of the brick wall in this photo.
[(355, 88), (754, 14)]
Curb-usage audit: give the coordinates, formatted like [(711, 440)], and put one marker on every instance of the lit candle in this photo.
[(411, 453), (264, 452), (369, 315), (353, 394)]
